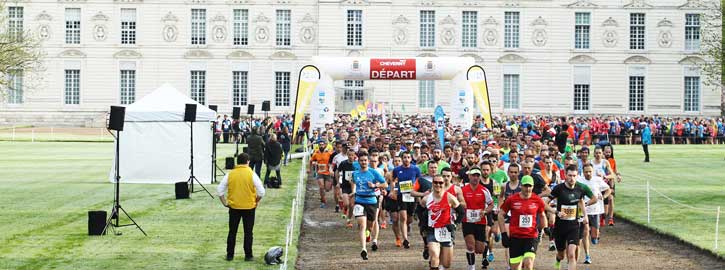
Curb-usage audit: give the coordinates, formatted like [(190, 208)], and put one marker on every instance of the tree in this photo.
[(712, 35), (20, 54)]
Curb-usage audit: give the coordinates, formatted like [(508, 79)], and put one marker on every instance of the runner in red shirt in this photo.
[(478, 204), (440, 238), (524, 207)]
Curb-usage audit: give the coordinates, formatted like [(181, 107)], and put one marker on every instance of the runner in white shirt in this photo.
[(601, 190)]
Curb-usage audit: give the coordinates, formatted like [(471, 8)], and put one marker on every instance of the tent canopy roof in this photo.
[(166, 104)]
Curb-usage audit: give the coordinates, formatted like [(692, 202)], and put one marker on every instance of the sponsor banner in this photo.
[(418, 68), (392, 69), (440, 119), (307, 82), (322, 105), (477, 79), (461, 112)]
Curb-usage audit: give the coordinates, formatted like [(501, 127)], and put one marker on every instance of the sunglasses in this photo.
[(438, 183)]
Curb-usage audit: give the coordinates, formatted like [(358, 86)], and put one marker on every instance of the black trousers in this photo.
[(226, 136), (247, 218), (645, 147)]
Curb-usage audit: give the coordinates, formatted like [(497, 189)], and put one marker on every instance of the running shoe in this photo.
[(426, 255), (497, 237), (557, 265), (364, 254), (484, 264), (471, 267), (611, 222), (490, 258), (595, 241), (367, 235), (384, 225), (322, 205), (397, 242), (406, 244), (587, 259), (552, 246), (601, 222), (375, 245)]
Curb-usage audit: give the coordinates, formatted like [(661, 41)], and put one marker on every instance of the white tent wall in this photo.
[(158, 152)]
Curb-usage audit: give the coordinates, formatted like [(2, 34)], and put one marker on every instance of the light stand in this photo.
[(214, 166), (193, 178), (116, 123)]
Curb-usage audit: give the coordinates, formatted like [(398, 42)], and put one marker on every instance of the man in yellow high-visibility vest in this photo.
[(240, 191)]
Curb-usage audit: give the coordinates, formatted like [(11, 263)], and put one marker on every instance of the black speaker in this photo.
[(115, 120), (190, 113), (229, 163), (236, 111), (182, 190), (214, 108), (245, 149), (250, 109), (265, 106), (96, 222)]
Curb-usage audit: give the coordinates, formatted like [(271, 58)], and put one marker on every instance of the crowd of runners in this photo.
[(514, 184)]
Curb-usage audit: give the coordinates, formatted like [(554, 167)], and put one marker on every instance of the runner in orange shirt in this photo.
[(321, 159)]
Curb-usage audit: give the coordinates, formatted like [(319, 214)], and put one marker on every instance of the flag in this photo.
[(308, 79), (440, 124), (477, 78), (385, 118)]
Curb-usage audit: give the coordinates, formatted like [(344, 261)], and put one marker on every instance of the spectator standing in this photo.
[(272, 157), (255, 148)]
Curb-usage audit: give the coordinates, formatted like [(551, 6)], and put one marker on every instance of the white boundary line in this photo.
[(294, 211)]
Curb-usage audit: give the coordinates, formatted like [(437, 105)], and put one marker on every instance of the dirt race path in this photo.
[(325, 243)]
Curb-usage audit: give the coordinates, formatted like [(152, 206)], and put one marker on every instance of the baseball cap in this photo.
[(486, 153), (320, 141), (527, 180), (474, 171), (416, 145)]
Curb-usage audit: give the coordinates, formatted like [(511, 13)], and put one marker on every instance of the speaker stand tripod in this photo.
[(193, 178), (112, 221)]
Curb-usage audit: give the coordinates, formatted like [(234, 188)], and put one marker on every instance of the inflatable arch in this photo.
[(315, 88)]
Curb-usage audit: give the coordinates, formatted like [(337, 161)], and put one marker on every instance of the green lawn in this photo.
[(47, 189), (690, 174)]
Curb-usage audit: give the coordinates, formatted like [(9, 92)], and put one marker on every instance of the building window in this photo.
[(198, 26), (511, 30), (511, 91), (15, 23), (692, 93), (281, 88), (241, 27), (128, 86), (692, 32), (15, 87), (426, 94), (636, 93), (72, 86), (427, 28), (239, 88), (582, 26), (581, 97), (354, 90), (72, 26), (354, 28), (469, 29), (636, 31), (284, 26), (198, 86), (128, 26)]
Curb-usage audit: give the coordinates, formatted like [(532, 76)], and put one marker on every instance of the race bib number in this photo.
[(496, 189), (568, 212), (442, 235), (348, 175), (322, 167), (358, 210), (526, 221), (408, 198), (377, 192), (406, 186), (473, 215)]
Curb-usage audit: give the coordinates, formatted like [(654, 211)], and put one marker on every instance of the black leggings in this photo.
[(645, 147)]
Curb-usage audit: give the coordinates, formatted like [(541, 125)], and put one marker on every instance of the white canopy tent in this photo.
[(154, 143)]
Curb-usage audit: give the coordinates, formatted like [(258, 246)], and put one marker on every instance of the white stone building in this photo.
[(540, 56)]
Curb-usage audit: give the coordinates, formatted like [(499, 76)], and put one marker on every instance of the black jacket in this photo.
[(255, 147), (273, 153)]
